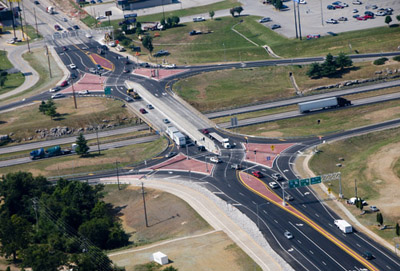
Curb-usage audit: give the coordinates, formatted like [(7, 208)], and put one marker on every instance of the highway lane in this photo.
[(296, 113), (71, 139), (296, 100), (104, 146)]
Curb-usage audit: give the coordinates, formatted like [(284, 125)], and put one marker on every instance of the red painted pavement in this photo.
[(263, 152), (179, 162), (89, 82), (257, 186), (162, 73), (106, 64)]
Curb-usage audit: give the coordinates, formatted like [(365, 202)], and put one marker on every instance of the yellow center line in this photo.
[(311, 223)]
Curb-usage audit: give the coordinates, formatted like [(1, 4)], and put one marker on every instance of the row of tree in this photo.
[(48, 108), (330, 66), (170, 22), (46, 226)]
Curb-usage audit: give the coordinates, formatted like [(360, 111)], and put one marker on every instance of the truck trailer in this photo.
[(332, 102), (224, 141), (343, 225), (50, 152), (176, 136)]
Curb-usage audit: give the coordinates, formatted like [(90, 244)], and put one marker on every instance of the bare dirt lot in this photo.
[(174, 229)]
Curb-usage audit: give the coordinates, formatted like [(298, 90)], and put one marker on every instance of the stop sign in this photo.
[(117, 42)]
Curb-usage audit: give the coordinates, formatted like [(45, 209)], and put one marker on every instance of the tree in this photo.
[(82, 148), (329, 66), (170, 268), (398, 18), (41, 257), (175, 20), (238, 9), (3, 77), (139, 28), (92, 259), (314, 71), (232, 12), (278, 4), (388, 19), (212, 13), (379, 218), (43, 107), (147, 43), (51, 112), (124, 28), (169, 22), (342, 61), (397, 229)]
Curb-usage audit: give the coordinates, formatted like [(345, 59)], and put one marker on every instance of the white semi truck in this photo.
[(176, 136), (332, 102), (343, 225), (50, 10), (224, 141)]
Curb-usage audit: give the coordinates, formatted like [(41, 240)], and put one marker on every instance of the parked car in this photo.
[(361, 18), (338, 7), (302, 2), (170, 154), (143, 111), (374, 7), (101, 17), (199, 19), (215, 159), (317, 36), (72, 66), (368, 17), (342, 19), (275, 26), (357, 2), (84, 92), (70, 29), (381, 13), (265, 20), (288, 235), (257, 174), (336, 3), (55, 89), (373, 208), (76, 27), (330, 7), (64, 83), (369, 13), (273, 185), (57, 95), (331, 21), (355, 10), (161, 53)]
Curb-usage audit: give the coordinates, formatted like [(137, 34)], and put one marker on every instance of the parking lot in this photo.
[(313, 21)]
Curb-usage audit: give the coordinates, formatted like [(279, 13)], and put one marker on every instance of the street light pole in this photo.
[(116, 165)]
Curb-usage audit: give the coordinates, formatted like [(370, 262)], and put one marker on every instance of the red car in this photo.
[(143, 111), (338, 6), (64, 83), (361, 18), (57, 27), (368, 16), (205, 131), (257, 174)]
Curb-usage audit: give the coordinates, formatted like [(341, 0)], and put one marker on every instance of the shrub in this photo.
[(397, 58), (380, 61)]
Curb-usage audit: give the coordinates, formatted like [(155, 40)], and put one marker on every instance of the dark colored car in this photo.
[(70, 29), (64, 48), (330, 7), (143, 111), (73, 76), (368, 255), (57, 27), (76, 27), (161, 53), (36, 2), (369, 13)]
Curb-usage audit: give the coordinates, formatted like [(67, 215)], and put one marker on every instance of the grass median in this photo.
[(13, 80), (72, 164)]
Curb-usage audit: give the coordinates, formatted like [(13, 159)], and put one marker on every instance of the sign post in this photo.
[(108, 14)]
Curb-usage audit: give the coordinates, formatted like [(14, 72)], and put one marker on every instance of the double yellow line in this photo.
[(304, 218)]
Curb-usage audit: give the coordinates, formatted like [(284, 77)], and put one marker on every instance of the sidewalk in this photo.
[(218, 218)]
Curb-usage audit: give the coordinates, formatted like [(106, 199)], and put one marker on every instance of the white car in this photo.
[(57, 95), (169, 66), (273, 185), (88, 36), (55, 89), (11, 41), (355, 10), (288, 235), (373, 208), (100, 17), (84, 92), (215, 159), (302, 2), (72, 66), (199, 19), (331, 21), (265, 20)]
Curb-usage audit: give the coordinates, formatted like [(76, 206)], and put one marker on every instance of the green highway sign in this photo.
[(315, 180), (107, 91), (294, 183), (304, 182)]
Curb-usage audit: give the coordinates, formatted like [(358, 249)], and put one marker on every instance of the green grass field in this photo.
[(237, 87), (13, 80)]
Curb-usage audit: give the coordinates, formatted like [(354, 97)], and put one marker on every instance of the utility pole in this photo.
[(144, 206), (295, 18), (48, 59), (13, 18), (37, 30), (322, 15), (27, 37), (298, 15), (355, 187), (73, 93), (22, 23), (97, 136), (116, 166)]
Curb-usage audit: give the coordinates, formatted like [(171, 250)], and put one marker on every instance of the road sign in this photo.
[(294, 183), (304, 182), (108, 13), (272, 147), (315, 180), (107, 91), (234, 122), (133, 15)]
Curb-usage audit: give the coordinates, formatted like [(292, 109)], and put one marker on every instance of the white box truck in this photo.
[(179, 139), (224, 141), (332, 102), (343, 225)]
